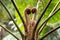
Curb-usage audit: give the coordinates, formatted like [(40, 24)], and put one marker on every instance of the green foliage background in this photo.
[(21, 4)]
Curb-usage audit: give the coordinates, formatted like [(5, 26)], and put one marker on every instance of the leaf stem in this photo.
[(19, 15), (44, 23), (41, 17), (42, 13), (9, 32), (41, 27), (49, 33), (12, 19)]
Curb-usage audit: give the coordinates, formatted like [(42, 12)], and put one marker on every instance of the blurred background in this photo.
[(6, 21)]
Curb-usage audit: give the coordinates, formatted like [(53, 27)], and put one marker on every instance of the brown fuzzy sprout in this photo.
[(27, 10), (34, 10)]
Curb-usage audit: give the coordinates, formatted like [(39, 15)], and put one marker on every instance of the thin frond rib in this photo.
[(9, 32), (49, 33), (19, 15), (53, 13), (12, 19), (42, 13), (41, 17), (41, 28)]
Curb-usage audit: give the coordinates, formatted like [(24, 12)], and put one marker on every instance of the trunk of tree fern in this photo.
[(30, 28), (29, 37)]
